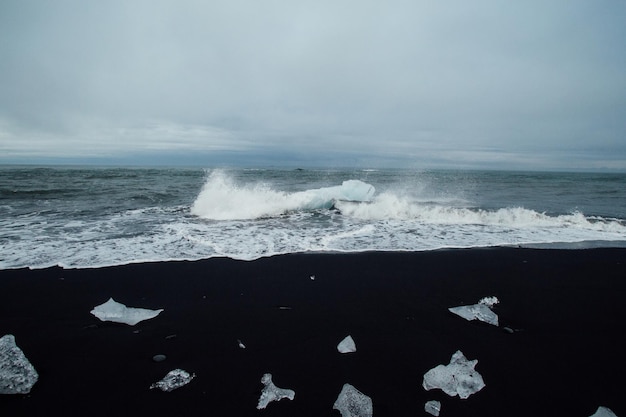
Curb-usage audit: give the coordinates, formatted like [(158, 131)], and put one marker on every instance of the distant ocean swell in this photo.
[(273, 213)]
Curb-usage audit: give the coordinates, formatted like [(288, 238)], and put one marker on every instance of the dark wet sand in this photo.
[(565, 357)]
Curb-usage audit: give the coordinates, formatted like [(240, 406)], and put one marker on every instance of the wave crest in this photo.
[(389, 206), (221, 198)]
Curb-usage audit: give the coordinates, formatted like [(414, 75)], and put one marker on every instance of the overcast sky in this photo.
[(530, 84)]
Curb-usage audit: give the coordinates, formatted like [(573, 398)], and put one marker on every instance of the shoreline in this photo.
[(563, 358)]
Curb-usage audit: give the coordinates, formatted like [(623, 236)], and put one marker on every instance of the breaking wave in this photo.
[(389, 206), (222, 199)]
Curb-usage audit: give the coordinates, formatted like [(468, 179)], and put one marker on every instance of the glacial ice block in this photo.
[(457, 378), (603, 412), (432, 407), (347, 345), (481, 311), (271, 392), (119, 313), (17, 374), (353, 403), (174, 379)]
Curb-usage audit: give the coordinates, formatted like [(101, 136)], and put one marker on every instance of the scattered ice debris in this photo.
[(353, 403), (432, 407), (347, 345), (481, 311), (457, 378), (159, 358), (240, 344), (603, 412), (174, 379), (17, 374), (271, 392), (119, 313)]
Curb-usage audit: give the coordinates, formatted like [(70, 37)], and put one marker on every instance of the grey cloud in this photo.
[(400, 77)]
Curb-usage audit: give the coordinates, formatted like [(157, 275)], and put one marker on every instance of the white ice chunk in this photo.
[(174, 379), (353, 403), (489, 301), (432, 407), (271, 392), (347, 345), (17, 374), (119, 313), (481, 311), (457, 378), (603, 412)]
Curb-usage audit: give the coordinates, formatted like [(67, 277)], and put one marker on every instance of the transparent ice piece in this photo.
[(457, 378), (271, 392), (481, 311), (17, 374), (353, 403), (174, 379), (119, 313), (432, 407), (347, 345), (603, 412)]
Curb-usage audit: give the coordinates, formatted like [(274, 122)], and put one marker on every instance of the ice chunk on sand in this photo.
[(489, 301), (347, 345), (353, 403), (603, 412), (119, 313), (17, 374), (481, 311), (432, 407), (271, 392), (174, 379), (457, 378)]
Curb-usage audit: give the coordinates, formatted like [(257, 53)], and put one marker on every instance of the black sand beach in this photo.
[(564, 358)]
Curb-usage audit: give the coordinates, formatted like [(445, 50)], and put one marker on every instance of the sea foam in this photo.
[(223, 199)]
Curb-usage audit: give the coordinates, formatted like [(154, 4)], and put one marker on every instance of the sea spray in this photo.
[(222, 199)]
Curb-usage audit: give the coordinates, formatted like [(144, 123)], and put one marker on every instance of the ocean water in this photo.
[(83, 217)]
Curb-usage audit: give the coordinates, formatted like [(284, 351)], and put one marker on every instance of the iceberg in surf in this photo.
[(119, 313), (481, 311), (347, 345), (271, 392), (603, 412), (222, 199), (17, 374), (174, 379), (353, 403), (457, 378)]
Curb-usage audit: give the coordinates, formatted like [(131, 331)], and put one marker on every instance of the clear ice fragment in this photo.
[(17, 374), (432, 407), (174, 379), (481, 311), (271, 392), (119, 313), (353, 403), (603, 412), (457, 378), (347, 345)]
